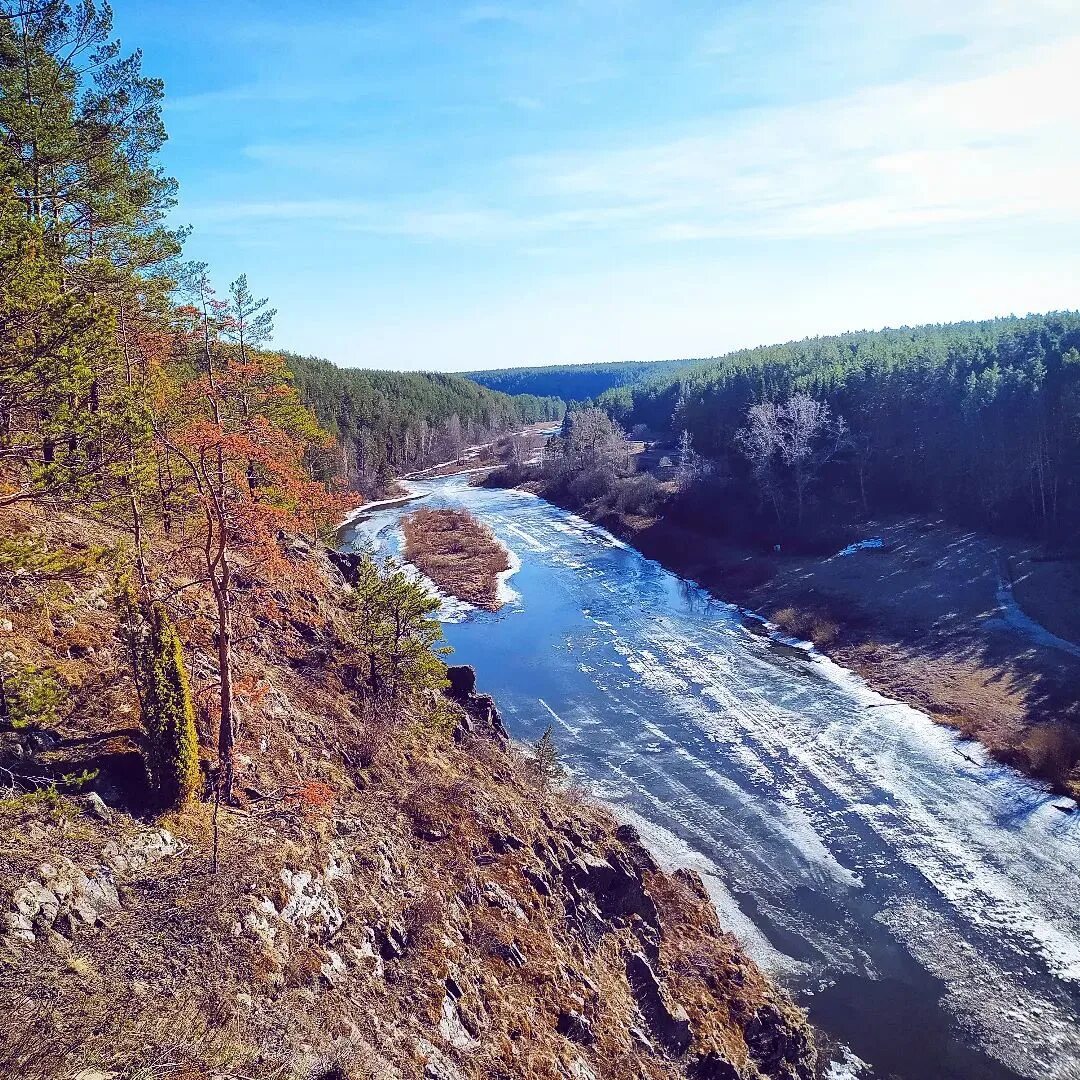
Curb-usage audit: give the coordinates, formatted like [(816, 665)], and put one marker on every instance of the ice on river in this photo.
[(839, 833)]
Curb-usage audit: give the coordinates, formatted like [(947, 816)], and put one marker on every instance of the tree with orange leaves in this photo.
[(245, 442)]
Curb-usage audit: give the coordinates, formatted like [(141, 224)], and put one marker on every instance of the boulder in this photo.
[(96, 807), (778, 1047), (667, 1019), (462, 679), (692, 880), (712, 1066), (618, 888)]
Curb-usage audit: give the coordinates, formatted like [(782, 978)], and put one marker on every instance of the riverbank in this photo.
[(459, 554), (391, 895), (932, 617)]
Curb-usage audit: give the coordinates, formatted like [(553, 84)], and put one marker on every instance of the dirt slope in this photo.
[(393, 899)]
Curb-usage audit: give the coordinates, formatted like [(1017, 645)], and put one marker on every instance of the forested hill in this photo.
[(977, 420), (572, 382), (388, 422)]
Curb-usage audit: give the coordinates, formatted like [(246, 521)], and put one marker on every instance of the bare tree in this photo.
[(801, 434), (689, 466), (759, 442)]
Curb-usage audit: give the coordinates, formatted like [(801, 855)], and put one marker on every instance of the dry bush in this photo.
[(425, 806), (592, 485), (425, 916), (1053, 751), (488, 934), (642, 495), (807, 625)]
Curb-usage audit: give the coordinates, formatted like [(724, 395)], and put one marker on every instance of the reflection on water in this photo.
[(920, 904)]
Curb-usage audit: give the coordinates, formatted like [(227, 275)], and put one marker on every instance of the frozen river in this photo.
[(924, 906)]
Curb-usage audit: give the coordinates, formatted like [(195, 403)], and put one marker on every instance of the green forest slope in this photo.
[(390, 422), (976, 420), (572, 382)]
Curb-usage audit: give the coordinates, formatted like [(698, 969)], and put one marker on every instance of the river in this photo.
[(923, 904)]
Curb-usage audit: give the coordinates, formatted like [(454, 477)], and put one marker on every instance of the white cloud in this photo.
[(996, 146), (990, 139)]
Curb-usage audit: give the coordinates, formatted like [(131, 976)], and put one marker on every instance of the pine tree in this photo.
[(54, 436), (546, 763)]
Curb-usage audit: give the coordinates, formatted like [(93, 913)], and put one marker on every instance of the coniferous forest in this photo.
[(390, 422), (976, 421), (572, 382)]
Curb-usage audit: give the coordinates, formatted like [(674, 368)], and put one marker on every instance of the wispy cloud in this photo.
[(909, 155), (915, 155)]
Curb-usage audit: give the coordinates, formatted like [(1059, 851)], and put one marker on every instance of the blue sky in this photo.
[(455, 185)]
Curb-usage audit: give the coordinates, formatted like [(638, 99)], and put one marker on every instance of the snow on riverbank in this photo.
[(503, 593), (861, 545)]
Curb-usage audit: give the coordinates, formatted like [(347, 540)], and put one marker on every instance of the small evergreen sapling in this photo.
[(168, 713), (546, 763)]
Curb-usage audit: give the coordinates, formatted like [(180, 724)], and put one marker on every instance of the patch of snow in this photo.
[(861, 545), (503, 593), (362, 511)]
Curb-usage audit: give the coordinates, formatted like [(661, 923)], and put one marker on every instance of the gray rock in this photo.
[(20, 927), (619, 891), (334, 968), (667, 1019), (572, 1025), (777, 1047), (498, 897), (95, 807), (578, 1070), (505, 842), (537, 880), (452, 1029), (712, 1066), (390, 940), (462, 679), (310, 905)]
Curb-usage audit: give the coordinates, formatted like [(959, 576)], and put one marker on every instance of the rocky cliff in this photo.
[(392, 897)]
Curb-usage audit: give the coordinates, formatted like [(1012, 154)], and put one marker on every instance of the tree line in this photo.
[(571, 382), (131, 388), (391, 422), (977, 421)]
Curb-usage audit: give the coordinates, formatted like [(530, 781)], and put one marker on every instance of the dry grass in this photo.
[(807, 625), (167, 989), (458, 553)]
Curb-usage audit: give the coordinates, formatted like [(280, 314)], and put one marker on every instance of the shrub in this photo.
[(591, 485), (1053, 750), (29, 695), (807, 625), (641, 495), (168, 713), (545, 763)]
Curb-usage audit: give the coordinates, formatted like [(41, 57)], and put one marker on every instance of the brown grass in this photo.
[(807, 625), (404, 811), (458, 553)]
